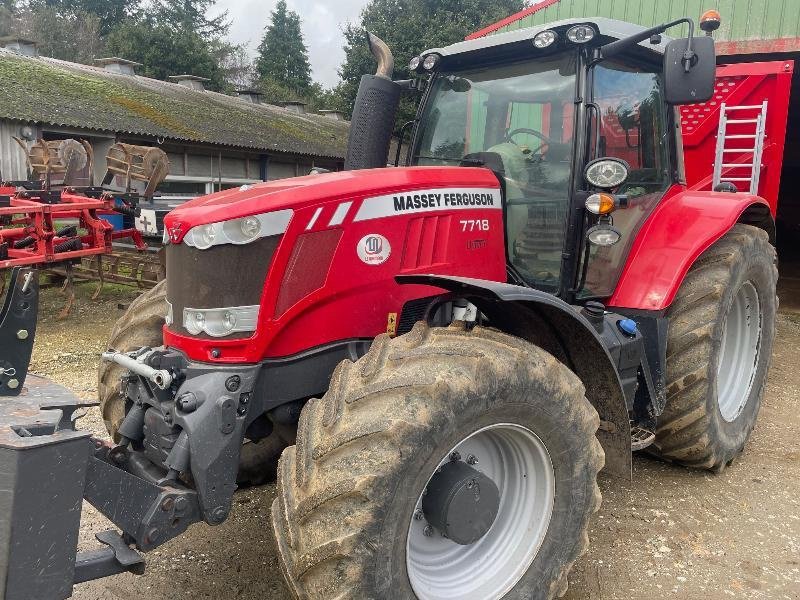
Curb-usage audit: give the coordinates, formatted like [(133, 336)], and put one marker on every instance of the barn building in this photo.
[(213, 141)]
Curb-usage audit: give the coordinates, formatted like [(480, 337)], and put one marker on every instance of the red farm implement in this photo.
[(56, 229)]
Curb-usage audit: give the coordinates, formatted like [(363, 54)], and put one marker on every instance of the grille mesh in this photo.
[(221, 276)]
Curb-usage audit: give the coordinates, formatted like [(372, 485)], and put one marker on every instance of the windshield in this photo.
[(524, 114)]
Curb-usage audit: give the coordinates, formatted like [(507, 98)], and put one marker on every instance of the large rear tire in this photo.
[(721, 330), (350, 518), (141, 326)]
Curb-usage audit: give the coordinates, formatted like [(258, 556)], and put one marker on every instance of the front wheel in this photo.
[(719, 344), (443, 464)]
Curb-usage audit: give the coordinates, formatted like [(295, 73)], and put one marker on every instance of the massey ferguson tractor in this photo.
[(446, 352)]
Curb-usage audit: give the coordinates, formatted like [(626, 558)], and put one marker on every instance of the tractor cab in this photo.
[(562, 114)]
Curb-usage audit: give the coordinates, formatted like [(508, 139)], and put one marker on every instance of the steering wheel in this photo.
[(546, 141)]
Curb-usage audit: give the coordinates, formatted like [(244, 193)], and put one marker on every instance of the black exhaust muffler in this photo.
[(374, 113)]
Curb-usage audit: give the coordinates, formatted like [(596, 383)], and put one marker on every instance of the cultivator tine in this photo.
[(99, 277), (69, 291)]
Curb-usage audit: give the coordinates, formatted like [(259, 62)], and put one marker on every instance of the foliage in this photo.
[(282, 54), (191, 15), (110, 13), (410, 27), (164, 51), (74, 37)]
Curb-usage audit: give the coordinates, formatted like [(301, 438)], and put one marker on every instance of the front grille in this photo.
[(221, 276)]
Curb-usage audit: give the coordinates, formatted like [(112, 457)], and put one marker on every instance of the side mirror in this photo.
[(682, 86)]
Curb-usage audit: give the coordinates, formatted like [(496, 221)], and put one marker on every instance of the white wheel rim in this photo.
[(520, 466), (739, 352)]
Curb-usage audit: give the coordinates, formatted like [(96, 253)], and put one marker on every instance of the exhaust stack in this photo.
[(374, 112)]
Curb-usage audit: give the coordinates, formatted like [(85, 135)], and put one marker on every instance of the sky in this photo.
[(322, 22)]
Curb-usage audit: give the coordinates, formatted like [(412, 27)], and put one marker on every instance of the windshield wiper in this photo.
[(458, 160)]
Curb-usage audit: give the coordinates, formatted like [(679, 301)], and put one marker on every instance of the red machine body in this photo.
[(738, 85), (343, 297), (31, 215), (682, 226), (420, 220)]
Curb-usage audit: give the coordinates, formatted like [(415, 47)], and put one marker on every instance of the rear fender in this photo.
[(558, 328), (680, 229)]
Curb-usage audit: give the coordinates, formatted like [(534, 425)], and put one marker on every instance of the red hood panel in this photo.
[(300, 192)]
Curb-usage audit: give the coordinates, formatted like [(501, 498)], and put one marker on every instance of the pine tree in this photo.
[(282, 54), (190, 16)]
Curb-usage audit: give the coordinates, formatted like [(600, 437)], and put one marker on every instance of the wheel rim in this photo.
[(739, 352), (520, 466)]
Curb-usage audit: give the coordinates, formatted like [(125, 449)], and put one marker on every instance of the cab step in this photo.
[(641, 438)]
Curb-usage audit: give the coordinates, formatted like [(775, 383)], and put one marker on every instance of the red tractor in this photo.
[(447, 353)]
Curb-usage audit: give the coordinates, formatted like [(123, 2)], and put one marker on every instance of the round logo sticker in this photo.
[(374, 249)]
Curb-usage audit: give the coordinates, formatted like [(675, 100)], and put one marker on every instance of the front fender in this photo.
[(558, 328), (680, 229)]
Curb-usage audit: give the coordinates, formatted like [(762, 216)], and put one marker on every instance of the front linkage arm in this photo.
[(190, 430)]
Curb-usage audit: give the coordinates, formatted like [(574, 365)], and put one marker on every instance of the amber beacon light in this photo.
[(710, 21)]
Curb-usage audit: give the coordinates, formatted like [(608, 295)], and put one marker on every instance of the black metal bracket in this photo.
[(117, 558), (18, 329)]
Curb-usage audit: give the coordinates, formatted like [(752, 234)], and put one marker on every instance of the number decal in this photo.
[(474, 224)]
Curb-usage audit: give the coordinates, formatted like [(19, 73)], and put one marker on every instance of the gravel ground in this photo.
[(668, 533)]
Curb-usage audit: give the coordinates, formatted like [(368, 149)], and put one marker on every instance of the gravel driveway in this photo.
[(668, 533)]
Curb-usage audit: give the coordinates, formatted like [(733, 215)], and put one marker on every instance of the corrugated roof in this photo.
[(56, 92), (742, 20)]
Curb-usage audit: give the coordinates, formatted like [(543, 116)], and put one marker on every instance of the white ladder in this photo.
[(757, 150)]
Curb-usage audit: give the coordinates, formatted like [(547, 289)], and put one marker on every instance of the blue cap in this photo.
[(627, 326)]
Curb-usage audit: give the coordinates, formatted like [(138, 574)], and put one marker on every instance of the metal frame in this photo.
[(34, 239)]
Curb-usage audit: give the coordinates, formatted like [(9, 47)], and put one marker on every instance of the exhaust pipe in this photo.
[(374, 112), (382, 54)]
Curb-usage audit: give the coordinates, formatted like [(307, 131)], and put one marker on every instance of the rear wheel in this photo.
[(443, 464), (721, 330), (141, 326)]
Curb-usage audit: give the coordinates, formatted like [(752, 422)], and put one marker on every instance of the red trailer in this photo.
[(739, 135)]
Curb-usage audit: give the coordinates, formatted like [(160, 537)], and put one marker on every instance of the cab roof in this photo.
[(519, 44)]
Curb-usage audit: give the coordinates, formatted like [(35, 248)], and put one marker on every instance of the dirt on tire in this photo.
[(139, 327), (692, 431), (341, 515)]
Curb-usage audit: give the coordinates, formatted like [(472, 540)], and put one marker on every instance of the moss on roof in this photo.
[(55, 92)]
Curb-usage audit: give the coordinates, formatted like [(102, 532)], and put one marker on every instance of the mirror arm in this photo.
[(614, 48)]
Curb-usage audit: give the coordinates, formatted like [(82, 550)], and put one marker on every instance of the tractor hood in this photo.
[(300, 192)]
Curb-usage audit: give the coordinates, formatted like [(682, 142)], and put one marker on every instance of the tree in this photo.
[(111, 13), (410, 27), (73, 36), (164, 52), (282, 54), (191, 15), (8, 17)]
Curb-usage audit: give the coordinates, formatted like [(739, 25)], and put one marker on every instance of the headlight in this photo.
[(219, 322), (430, 62), (580, 34), (606, 173), (238, 231), (603, 235), (543, 39), (413, 64)]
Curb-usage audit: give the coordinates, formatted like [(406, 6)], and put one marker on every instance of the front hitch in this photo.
[(47, 467)]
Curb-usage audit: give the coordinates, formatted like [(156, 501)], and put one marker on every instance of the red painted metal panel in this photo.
[(680, 229), (357, 299), (743, 84)]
